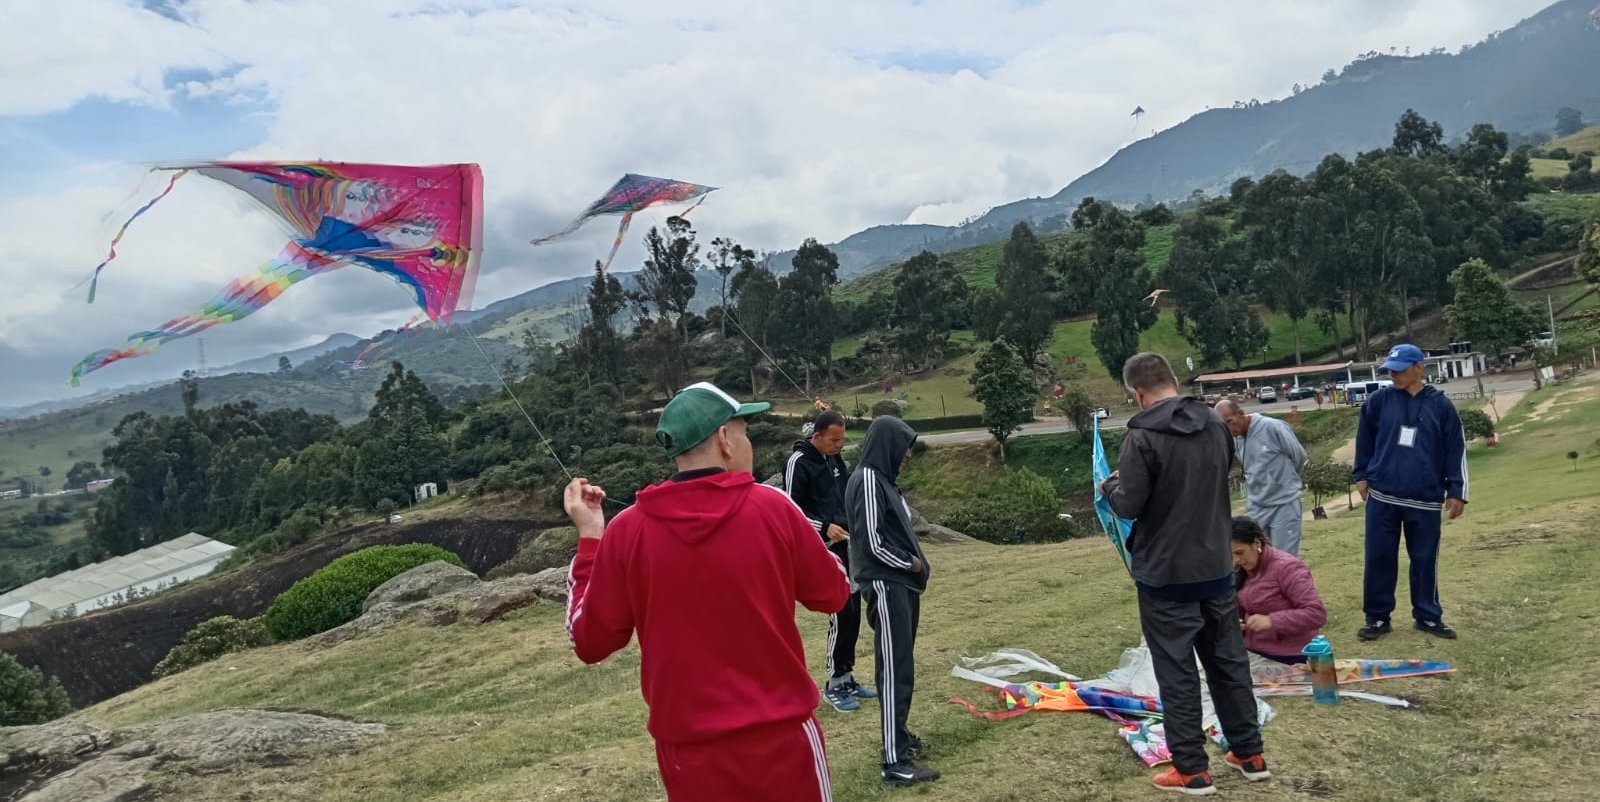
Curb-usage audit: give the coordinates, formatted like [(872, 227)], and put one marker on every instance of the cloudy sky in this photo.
[(817, 118)]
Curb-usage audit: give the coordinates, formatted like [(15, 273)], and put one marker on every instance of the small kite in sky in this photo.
[(1154, 296), (632, 194), (421, 226)]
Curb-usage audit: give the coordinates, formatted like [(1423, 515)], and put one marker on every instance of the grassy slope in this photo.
[(1587, 139), (504, 712)]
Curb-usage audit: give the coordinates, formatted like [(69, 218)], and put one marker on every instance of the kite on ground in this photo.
[(421, 226), (632, 194)]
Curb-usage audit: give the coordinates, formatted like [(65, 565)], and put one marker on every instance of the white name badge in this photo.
[(1408, 436)]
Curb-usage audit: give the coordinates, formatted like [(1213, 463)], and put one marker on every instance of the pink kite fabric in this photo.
[(421, 226)]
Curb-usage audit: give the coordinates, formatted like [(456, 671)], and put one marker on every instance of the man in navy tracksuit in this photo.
[(815, 477), (1411, 468)]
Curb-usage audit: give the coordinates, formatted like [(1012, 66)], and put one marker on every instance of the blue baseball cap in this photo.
[(1401, 357)]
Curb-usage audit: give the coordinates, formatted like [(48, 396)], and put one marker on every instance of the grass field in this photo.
[(1549, 168), (504, 712)]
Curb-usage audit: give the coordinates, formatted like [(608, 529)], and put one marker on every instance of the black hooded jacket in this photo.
[(1173, 482), (816, 483), (883, 545)]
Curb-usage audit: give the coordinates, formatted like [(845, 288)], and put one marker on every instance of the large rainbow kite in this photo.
[(631, 194), (421, 226)]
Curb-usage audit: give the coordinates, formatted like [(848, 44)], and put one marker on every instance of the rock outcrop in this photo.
[(440, 594), (73, 761)]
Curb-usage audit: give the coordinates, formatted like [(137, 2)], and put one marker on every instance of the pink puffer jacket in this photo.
[(1281, 587)]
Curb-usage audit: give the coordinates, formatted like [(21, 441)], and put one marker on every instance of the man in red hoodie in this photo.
[(707, 567)]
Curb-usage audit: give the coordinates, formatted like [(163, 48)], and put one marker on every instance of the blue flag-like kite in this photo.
[(1115, 528)]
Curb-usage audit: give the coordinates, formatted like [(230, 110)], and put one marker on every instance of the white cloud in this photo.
[(798, 110)]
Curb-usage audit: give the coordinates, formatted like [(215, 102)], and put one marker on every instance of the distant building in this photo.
[(427, 491), (111, 582), (10, 494), (97, 485)]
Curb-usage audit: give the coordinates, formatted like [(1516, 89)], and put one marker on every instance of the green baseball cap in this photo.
[(696, 412)]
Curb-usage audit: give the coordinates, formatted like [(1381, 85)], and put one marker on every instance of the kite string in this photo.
[(524, 410)]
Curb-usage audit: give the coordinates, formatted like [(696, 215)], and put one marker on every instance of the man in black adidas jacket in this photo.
[(888, 564), (814, 477)]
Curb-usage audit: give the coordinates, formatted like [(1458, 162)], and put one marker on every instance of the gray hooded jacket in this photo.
[(1173, 483), (883, 546)]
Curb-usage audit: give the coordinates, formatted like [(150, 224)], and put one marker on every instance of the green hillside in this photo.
[(486, 713), (1586, 140)]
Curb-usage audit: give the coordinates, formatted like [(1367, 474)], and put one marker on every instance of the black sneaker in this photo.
[(905, 775), (1374, 630), (1437, 629)]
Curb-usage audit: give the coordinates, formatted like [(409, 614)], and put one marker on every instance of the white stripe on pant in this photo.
[(819, 757)]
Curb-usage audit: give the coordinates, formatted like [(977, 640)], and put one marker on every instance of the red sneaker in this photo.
[(1254, 767), (1192, 784)]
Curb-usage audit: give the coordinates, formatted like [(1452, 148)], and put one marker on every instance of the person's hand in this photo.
[(1454, 507), (1361, 487), (916, 565), (583, 503), (837, 533), (1258, 623)]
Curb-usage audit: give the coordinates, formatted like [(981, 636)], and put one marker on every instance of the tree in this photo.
[(1589, 253), (806, 319), (728, 256), (82, 473), (1023, 306), (284, 366), (755, 294), (27, 697), (598, 348), (1414, 135), (1284, 225), (1005, 388), (1104, 271), (667, 283), (1207, 277), (1582, 161), (1077, 407), (1569, 121), (929, 296), (1484, 310)]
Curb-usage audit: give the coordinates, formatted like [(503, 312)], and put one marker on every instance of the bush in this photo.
[(211, 639), (299, 527), (888, 406), (1326, 479), (334, 594), (386, 506), (1476, 423), (1559, 153), (1019, 499), (27, 697), (22, 539)]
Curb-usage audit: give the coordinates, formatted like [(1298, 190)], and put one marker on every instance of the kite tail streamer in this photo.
[(622, 230), (94, 280)]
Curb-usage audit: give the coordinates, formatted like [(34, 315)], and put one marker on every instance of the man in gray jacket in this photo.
[(1272, 458), (1172, 480), (888, 564)]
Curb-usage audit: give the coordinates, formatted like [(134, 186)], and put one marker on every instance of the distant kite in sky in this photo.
[(1138, 111), (421, 226), (632, 194)]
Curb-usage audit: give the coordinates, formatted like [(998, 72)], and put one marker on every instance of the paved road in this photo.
[(1119, 417)]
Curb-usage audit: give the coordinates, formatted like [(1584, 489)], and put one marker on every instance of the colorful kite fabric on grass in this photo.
[(421, 226), (1118, 529), (1139, 717), (631, 194)]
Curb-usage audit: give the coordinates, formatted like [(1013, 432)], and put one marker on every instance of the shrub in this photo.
[(1559, 153), (386, 506), (211, 639), (888, 406), (1326, 479), (299, 527), (1019, 499), (1476, 423), (334, 594), (27, 696)]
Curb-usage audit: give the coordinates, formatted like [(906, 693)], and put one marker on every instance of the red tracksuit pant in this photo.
[(784, 762)]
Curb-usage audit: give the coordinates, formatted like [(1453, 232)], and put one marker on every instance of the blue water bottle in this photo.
[(1324, 682)]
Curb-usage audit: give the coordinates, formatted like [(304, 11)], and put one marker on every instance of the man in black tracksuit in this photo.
[(887, 563), (815, 477), (1172, 479)]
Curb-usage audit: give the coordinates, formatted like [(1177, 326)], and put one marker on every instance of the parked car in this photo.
[(1267, 395), (1298, 393)]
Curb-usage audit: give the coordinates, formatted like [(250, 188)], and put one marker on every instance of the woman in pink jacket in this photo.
[(1278, 602)]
